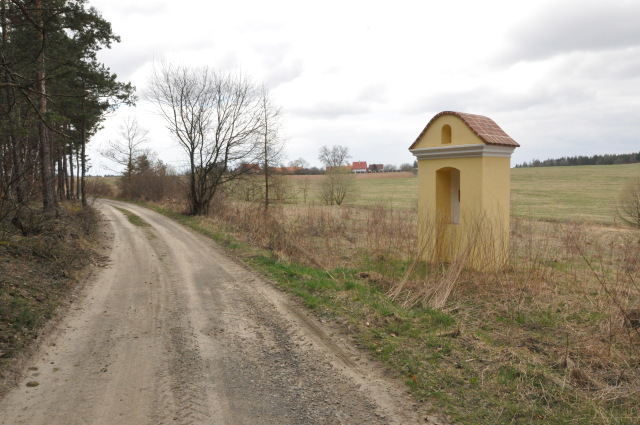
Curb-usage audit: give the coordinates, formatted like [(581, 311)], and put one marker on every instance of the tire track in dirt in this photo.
[(175, 332), (181, 396)]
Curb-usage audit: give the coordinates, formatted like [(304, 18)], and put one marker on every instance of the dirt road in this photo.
[(172, 331)]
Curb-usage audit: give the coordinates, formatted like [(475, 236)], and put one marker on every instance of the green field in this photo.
[(399, 190), (587, 192)]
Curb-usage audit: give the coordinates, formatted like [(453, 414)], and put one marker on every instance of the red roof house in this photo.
[(359, 167)]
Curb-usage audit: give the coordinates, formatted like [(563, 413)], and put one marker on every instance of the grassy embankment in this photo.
[(40, 269)]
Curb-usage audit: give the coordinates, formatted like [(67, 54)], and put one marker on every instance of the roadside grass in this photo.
[(133, 218), (541, 342)]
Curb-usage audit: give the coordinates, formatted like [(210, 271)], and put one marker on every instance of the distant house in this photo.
[(376, 168), (359, 167)]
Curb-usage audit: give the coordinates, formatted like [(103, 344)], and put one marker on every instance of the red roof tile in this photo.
[(485, 128)]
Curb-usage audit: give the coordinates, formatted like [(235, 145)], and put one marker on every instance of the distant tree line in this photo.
[(302, 166), (607, 159)]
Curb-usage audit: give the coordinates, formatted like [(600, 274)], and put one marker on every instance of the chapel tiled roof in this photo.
[(483, 127)]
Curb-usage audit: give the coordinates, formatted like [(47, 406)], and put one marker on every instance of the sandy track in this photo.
[(174, 332)]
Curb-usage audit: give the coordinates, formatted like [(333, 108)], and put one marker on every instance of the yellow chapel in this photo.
[(464, 188)]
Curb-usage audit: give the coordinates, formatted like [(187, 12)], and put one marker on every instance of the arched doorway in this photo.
[(448, 195)]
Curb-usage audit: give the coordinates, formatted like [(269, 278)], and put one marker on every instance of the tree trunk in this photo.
[(65, 179), (266, 168), (60, 182), (83, 160), (71, 193), (48, 194), (77, 175), (16, 176), (60, 171), (195, 207)]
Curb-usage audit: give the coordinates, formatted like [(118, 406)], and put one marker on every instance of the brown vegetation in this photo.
[(40, 265)]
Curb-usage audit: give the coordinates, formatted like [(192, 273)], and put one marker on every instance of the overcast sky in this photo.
[(561, 77)]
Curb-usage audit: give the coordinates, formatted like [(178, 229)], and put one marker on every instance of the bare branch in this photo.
[(128, 147), (334, 157), (215, 117)]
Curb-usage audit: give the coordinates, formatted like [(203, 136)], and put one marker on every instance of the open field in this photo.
[(586, 193), (395, 190)]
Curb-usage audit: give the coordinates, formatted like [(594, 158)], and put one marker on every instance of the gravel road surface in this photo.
[(170, 330)]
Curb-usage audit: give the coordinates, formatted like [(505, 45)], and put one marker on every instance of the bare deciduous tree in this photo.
[(337, 187), (304, 187), (124, 150), (272, 143), (338, 184), (629, 203), (335, 156), (299, 163), (217, 118)]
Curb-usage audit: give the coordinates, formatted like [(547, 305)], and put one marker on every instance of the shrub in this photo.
[(629, 203), (98, 188)]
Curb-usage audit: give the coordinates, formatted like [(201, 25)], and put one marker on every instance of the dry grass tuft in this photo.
[(377, 279)]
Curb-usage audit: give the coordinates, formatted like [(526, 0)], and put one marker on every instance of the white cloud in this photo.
[(328, 110), (560, 76), (576, 26), (280, 64)]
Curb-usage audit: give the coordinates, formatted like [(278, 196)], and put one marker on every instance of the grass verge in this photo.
[(39, 273), (134, 219)]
